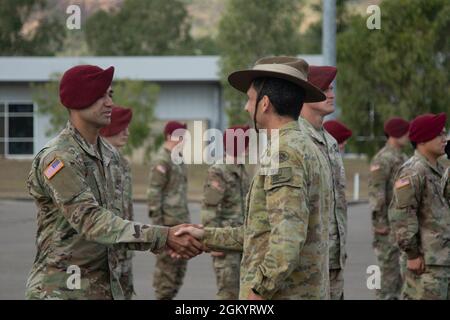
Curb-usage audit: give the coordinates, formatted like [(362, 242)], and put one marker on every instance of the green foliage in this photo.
[(46, 96), (44, 34), (140, 96), (248, 31), (311, 42), (401, 70), (140, 27)]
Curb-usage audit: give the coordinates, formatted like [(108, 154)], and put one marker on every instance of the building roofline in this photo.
[(146, 68)]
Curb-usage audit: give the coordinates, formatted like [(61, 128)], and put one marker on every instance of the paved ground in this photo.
[(17, 235)]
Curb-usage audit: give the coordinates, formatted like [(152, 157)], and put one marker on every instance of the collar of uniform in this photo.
[(313, 132), (291, 125), (393, 149), (438, 169), (165, 152), (106, 149), (86, 146)]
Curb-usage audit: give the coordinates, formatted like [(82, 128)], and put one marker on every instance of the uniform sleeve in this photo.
[(158, 179), (214, 189), (378, 177), (73, 196), (403, 213), (286, 195), (341, 205), (224, 239), (446, 184)]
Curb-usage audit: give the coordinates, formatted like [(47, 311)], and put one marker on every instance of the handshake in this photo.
[(184, 241)]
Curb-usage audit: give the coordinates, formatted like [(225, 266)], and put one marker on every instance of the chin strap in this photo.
[(258, 98)]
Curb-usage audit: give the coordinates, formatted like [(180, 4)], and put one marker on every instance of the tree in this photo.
[(400, 70), (250, 30), (311, 42), (140, 27), (138, 95), (27, 28)]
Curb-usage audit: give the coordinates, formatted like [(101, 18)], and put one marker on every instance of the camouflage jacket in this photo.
[(167, 191), (74, 189), (445, 182), (383, 169), (419, 213), (338, 221), (224, 195), (123, 183), (284, 237)]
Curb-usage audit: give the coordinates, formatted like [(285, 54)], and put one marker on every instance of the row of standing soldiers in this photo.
[(410, 210), (289, 237)]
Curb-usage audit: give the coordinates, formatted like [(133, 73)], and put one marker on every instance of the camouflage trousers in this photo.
[(388, 258), (168, 276), (227, 276), (337, 284), (433, 284), (126, 275)]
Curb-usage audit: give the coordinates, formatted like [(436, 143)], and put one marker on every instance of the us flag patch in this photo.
[(400, 183), (53, 168)]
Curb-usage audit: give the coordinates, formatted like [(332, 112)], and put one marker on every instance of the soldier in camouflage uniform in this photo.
[(223, 205), (383, 169), (116, 133), (284, 237), (73, 185), (420, 215), (339, 131), (311, 121), (168, 206)]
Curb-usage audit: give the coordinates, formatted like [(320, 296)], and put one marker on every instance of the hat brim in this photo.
[(241, 80)]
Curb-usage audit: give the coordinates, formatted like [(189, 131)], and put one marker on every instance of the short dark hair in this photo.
[(414, 144), (286, 97)]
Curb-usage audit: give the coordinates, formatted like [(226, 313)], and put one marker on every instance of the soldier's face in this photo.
[(436, 146), (324, 107), (119, 140), (99, 114), (403, 140)]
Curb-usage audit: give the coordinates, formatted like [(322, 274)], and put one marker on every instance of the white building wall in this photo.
[(187, 101)]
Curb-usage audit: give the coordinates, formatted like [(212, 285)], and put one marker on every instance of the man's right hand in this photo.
[(416, 265), (184, 244), (217, 254), (382, 231)]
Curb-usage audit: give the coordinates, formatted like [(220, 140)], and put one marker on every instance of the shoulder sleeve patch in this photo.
[(401, 183), (216, 185), (161, 168), (53, 168)]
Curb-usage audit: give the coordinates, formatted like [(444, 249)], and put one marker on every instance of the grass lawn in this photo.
[(14, 174)]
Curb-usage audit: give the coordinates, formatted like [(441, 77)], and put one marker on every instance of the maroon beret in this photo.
[(235, 133), (321, 76), (82, 85), (171, 126), (426, 127), (396, 127), (338, 130), (120, 119)]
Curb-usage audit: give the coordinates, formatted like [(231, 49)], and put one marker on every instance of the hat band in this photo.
[(281, 68)]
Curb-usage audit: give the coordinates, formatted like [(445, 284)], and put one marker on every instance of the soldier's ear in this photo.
[(265, 104)]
